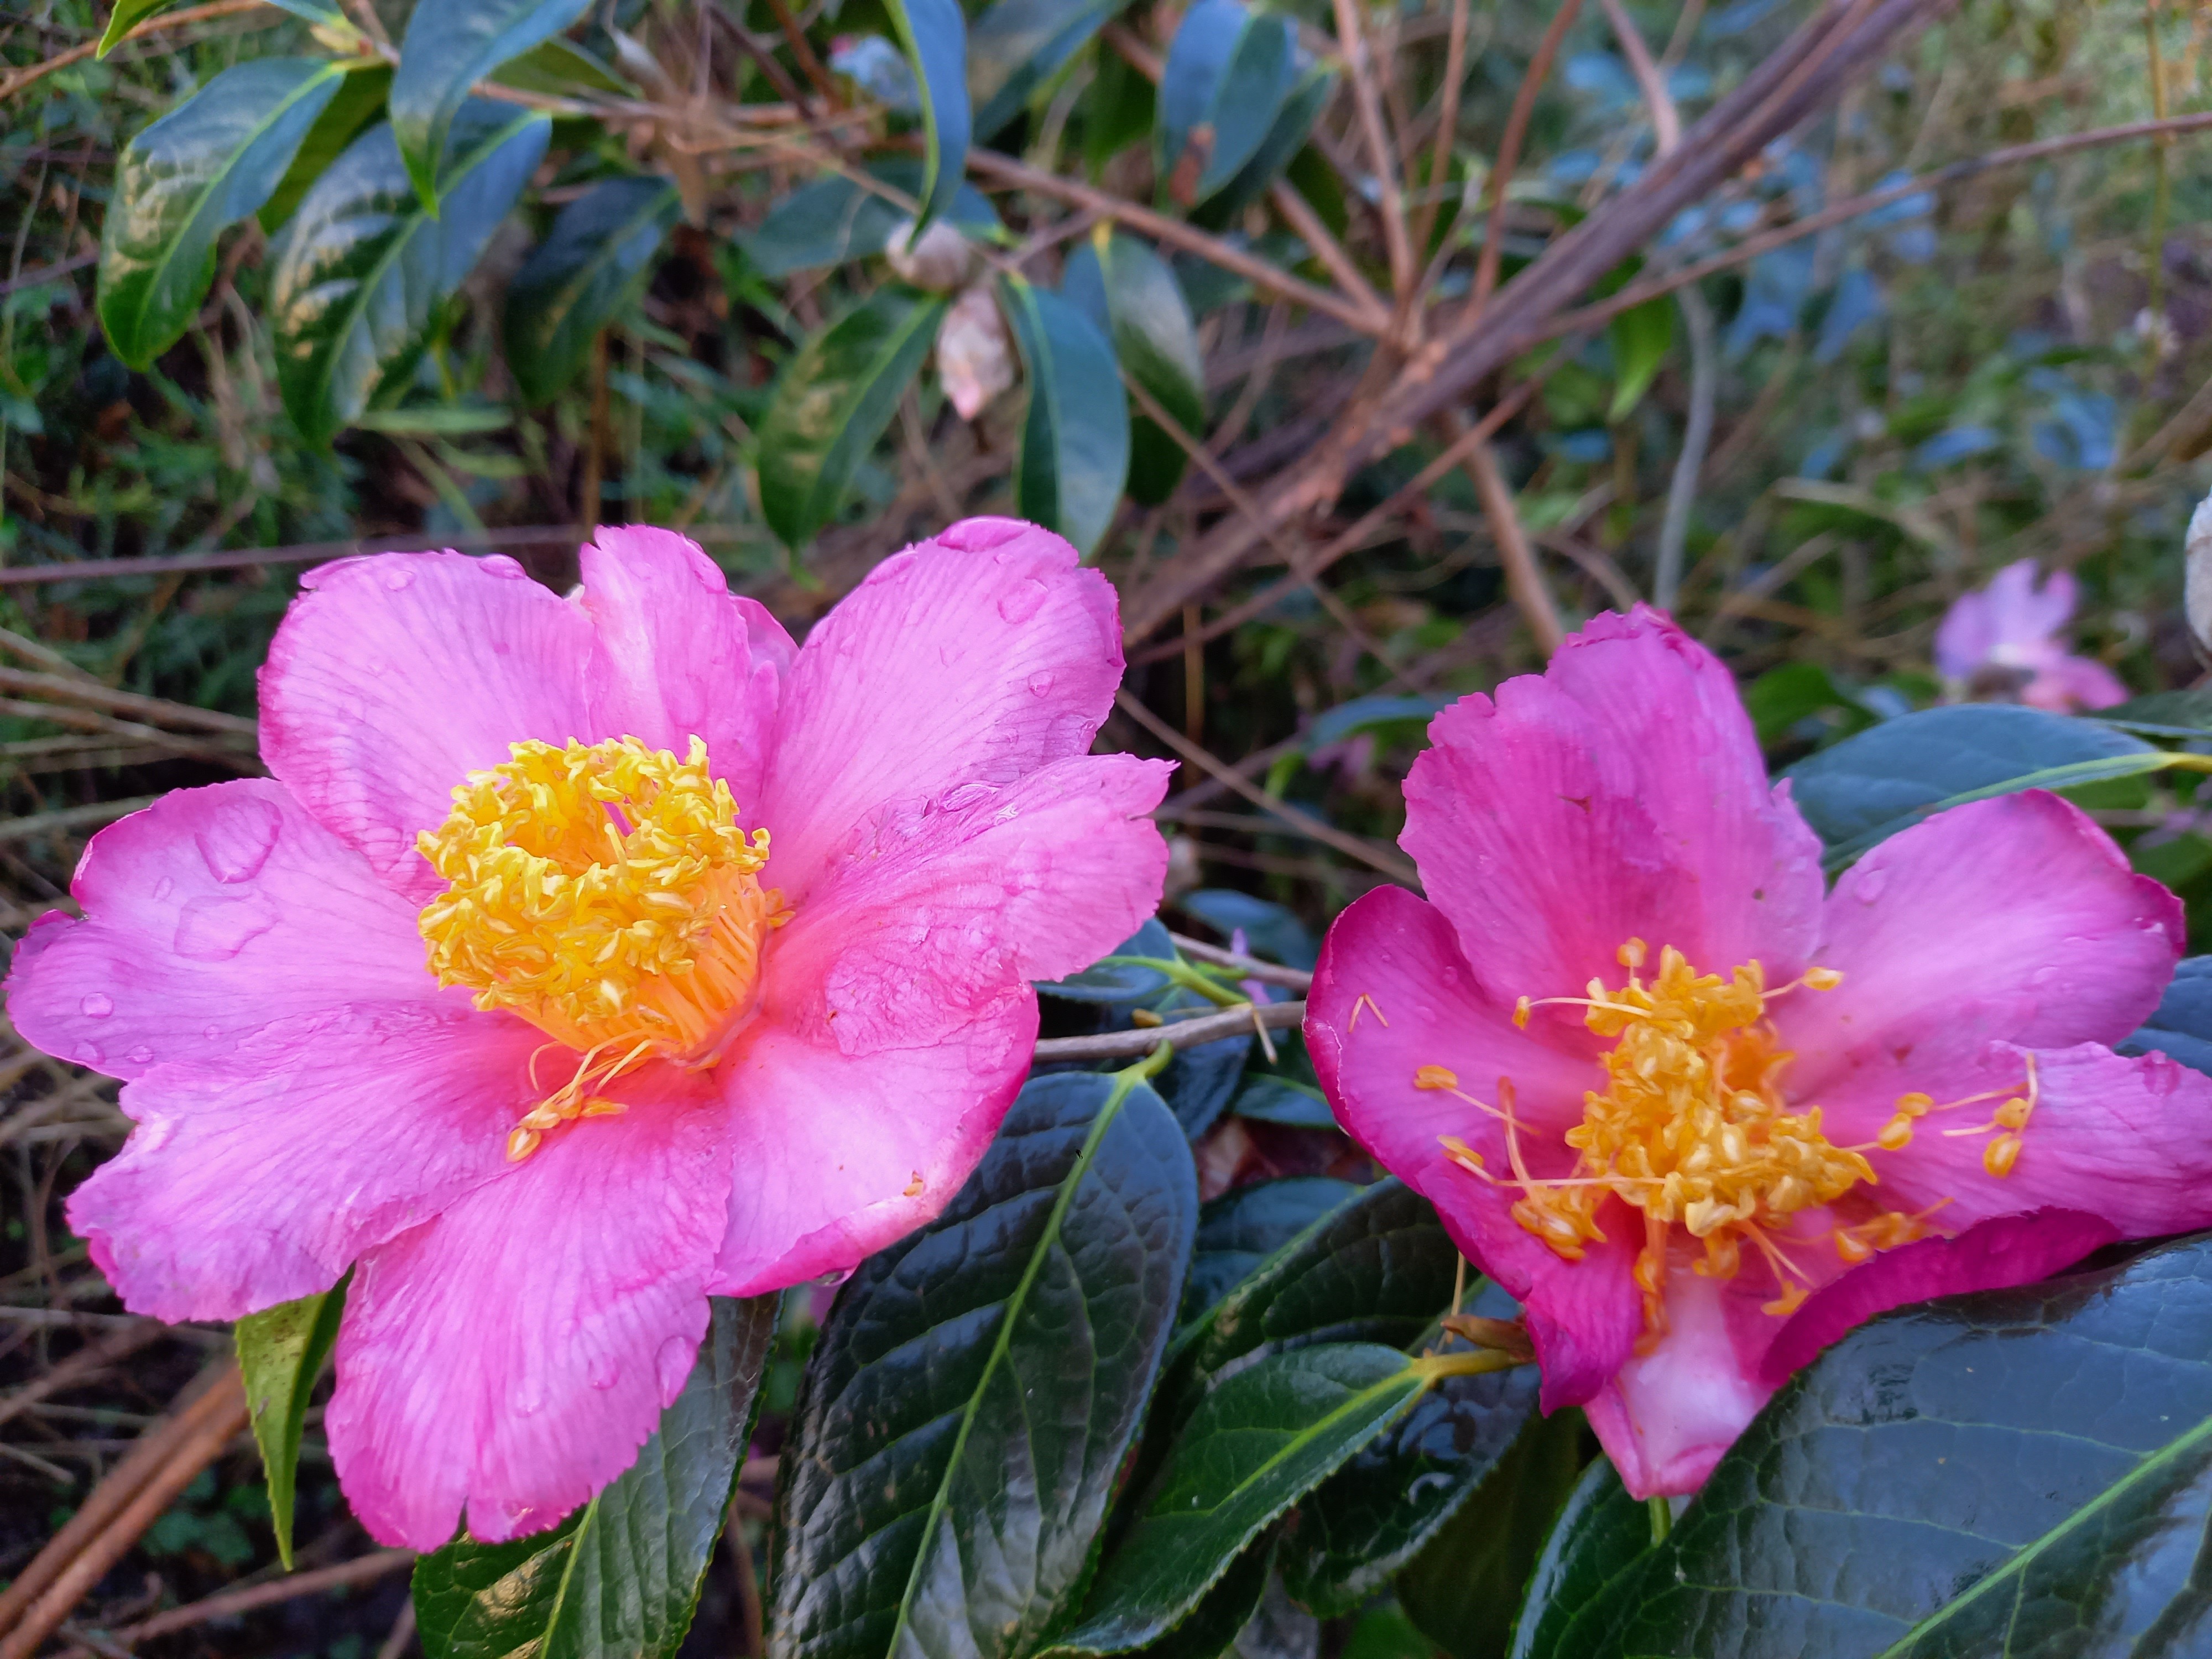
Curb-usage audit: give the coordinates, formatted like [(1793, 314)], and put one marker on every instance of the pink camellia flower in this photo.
[(581, 958), (2007, 638), (1702, 1117)]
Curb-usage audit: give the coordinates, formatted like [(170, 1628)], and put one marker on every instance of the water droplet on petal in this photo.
[(673, 1363), (1023, 600), (162, 889), (1040, 683), (979, 535), (603, 1372), (142, 1055), (210, 1033), (529, 1398), (398, 577), (89, 1053), (502, 566), (236, 845), (96, 1006), (1868, 888), (211, 929)]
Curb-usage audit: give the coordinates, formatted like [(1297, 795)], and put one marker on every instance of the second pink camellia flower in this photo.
[(1703, 1115), (581, 959)]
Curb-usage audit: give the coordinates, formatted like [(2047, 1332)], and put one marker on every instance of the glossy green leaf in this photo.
[(1262, 1440), (2010, 1472), (1075, 438), (560, 68), (594, 259), (833, 402), (1117, 112), (2164, 713), (450, 45), (620, 1578), (1278, 1100), (366, 268), (1113, 978), (1017, 45), (281, 1352), (934, 35), (1596, 1547), (2181, 1026), (970, 1404), (1378, 1512), (830, 220), (358, 101), (1642, 337), (1131, 293), (1464, 1589), (1228, 72), (1285, 138), (128, 15), (1890, 776), (1211, 1629), (1245, 1225), (184, 180)]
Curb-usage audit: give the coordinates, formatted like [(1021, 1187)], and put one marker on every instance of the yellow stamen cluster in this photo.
[(604, 892)]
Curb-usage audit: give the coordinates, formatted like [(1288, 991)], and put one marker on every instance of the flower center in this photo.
[(605, 892)]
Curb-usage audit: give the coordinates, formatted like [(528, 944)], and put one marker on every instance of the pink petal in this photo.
[(513, 1354), (210, 915), (1392, 994), (1621, 794), (1666, 1418), (1966, 637), (684, 657), (261, 1177), (395, 676), (2011, 1250), (2074, 683), (837, 1155), (2128, 1139), (971, 658), (2026, 611), (2015, 919), (957, 907)]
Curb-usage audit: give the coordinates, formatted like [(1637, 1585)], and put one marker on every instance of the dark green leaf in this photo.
[(970, 1404), (128, 14), (359, 100), (1596, 1545), (1229, 73), (834, 401), (561, 69), (2181, 1026), (1464, 1587), (2164, 713), (831, 220), (1285, 139), (2008, 1473), (1642, 336), (1131, 293), (1889, 777), (1278, 1100), (1075, 439), (199, 169), (1117, 111), (450, 45), (1260, 1441), (1245, 1225), (281, 1352), (365, 268), (1271, 932), (1017, 45), (1109, 980), (1374, 1514), (1211, 1628), (620, 1578), (934, 35), (584, 271)]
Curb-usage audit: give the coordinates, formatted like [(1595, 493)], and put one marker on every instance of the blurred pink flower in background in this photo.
[(2007, 640), (729, 944), (1702, 1116)]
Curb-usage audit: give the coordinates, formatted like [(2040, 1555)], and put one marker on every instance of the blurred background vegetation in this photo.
[(2001, 363)]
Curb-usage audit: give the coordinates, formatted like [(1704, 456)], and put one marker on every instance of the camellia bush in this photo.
[(1760, 1217)]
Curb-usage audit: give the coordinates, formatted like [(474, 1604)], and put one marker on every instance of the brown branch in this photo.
[(175, 19), (1298, 213), (1524, 578), (1509, 155), (1446, 128), (803, 50), (1183, 1033), (1392, 205), (154, 710), (1267, 973), (362, 1569), (84, 1364)]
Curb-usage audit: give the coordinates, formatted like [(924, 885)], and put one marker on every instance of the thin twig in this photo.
[(175, 19), (1524, 577), (1440, 154), (1509, 157), (155, 710), (1267, 973), (362, 1569), (1391, 202), (1184, 1034), (1696, 436), (84, 1364)]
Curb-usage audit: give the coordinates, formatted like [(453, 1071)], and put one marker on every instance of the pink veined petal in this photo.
[(209, 916), (2008, 1250), (955, 907), (396, 676), (974, 658), (837, 1155), (1391, 994), (1621, 794), (2015, 919), (2128, 1139), (261, 1178), (685, 658), (513, 1355), (1667, 1415)]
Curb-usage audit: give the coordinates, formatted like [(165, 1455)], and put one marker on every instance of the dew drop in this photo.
[(162, 889), (603, 1372), (964, 795), (1040, 683), (210, 929), (236, 845), (504, 567), (210, 1033), (89, 1053), (1023, 600), (979, 535), (672, 1364), (1868, 888), (529, 1398), (398, 577), (98, 1005), (141, 1056)]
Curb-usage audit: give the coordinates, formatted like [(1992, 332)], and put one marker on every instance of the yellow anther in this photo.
[(1915, 1105), (1630, 955), (1436, 1077), (1792, 1299), (1520, 1014), (2013, 1115), (520, 1143), (1823, 979), (1851, 1249), (1896, 1134), (2001, 1154)]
